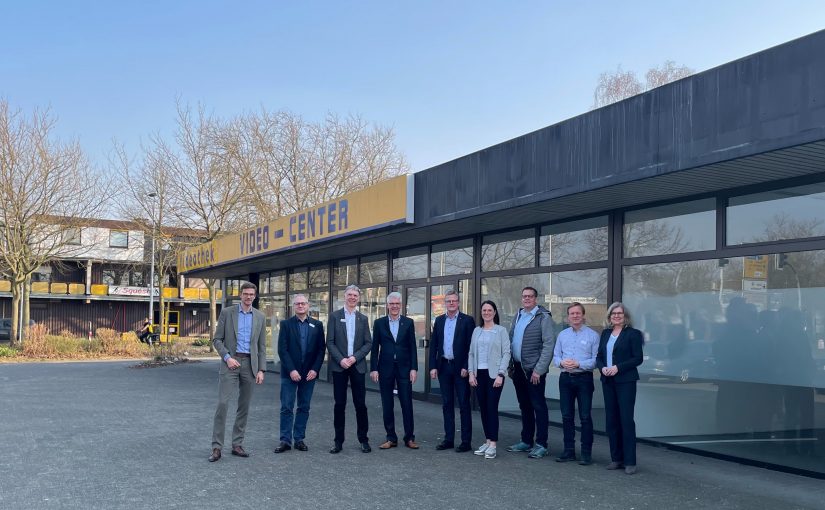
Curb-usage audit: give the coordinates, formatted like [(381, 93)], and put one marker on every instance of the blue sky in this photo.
[(450, 77)]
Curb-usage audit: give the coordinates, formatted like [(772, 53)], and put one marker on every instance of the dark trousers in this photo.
[(359, 396), (240, 381), (454, 387), (576, 389), (387, 381), (619, 402), (488, 397), (534, 417), (294, 424)]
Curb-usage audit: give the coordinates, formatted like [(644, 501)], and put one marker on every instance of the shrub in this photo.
[(7, 352), (114, 344), (201, 342)]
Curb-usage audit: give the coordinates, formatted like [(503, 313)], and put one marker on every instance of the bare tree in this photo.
[(620, 84), (44, 193), (291, 164)]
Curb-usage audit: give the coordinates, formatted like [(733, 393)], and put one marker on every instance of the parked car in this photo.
[(5, 328)]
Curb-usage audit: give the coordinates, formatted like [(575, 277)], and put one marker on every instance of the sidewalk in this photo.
[(103, 435)]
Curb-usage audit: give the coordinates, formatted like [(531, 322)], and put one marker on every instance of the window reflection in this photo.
[(373, 269), (298, 278), (790, 213), (510, 250), (345, 272), (672, 228), (745, 336), (576, 241), (455, 257), (410, 264)]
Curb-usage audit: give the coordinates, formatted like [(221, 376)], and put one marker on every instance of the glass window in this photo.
[(510, 250), (72, 236), (455, 257), (373, 269), (720, 333), (137, 278), (118, 239), (277, 282), (263, 283), (319, 277), (344, 272), (298, 278), (572, 242), (410, 264), (673, 228), (790, 213), (274, 308)]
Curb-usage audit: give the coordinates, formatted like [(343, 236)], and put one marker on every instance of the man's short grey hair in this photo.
[(296, 296), (451, 292), (394, 295), (352, 287)]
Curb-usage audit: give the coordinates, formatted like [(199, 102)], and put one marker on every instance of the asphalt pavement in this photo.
[(104, 435)]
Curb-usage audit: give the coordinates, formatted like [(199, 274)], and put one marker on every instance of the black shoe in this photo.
[(566, 457), (336, 448), (444, 445), (283, 447), (586, 460), (239, 451), (463, 447), (301, 446), (365, 447)]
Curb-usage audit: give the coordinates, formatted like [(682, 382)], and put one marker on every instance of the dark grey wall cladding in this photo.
[(766, 101)]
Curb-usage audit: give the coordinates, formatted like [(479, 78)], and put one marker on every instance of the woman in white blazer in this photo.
[(487, 363)]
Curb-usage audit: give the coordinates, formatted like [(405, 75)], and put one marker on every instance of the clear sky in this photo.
[(450, 77)]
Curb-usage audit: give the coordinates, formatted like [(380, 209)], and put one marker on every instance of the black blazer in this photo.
[(386, 350), (461, 340), (289, 347), (627, 354), (337, 340)]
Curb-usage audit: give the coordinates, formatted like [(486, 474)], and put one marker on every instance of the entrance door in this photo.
[(438, 307), (415, 299)]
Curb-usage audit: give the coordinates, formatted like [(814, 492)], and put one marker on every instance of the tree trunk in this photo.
[(26, 309), (16, 300)]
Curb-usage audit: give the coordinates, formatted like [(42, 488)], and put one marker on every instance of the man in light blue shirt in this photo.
[(575, 354)]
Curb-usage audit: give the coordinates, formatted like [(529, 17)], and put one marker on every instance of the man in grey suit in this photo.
[(240, 340), (349, 342)]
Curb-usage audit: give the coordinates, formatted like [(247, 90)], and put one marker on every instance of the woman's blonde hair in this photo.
[(617, 304)]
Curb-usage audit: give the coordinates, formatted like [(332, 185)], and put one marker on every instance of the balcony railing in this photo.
[(101, 289)]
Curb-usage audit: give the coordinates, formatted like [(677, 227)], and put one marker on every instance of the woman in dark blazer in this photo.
[(620, 352)]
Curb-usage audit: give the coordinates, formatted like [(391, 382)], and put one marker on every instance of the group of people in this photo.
[(463, 356)]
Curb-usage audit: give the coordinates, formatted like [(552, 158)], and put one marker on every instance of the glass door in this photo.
[(415, 302)]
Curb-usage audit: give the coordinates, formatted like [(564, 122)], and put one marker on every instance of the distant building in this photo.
[(102, 281)]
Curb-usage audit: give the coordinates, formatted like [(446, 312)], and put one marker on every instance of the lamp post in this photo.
[(152, 267)]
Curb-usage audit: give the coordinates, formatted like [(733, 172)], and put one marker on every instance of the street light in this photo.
[(152, 270)]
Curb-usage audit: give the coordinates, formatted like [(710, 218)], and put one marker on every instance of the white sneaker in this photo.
[(490, 453), (481, 449)]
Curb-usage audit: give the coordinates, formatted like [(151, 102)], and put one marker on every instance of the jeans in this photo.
[(531, 401), (294, 424), (576, 389)]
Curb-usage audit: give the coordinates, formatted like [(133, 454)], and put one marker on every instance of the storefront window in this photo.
[(451, 258), (790, 213), (298, 278), (575, 241), (510, 250), (318, 277), (373, 269), (344, 272), (410, 264), (673, 228), (734, 354)]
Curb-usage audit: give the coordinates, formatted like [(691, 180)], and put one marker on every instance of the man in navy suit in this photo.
[(449, 349), (394, 363), (301, 347)]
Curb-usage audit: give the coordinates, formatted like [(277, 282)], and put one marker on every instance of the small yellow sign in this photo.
[(387, 203), (756, 267)]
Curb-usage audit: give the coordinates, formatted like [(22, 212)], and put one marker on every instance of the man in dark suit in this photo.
[(301, 347), (394, 363), (449, 349), (349, 342), (240, 339)]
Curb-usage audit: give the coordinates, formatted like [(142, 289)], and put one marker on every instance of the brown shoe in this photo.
[(388, 445), (411, 444), (216, 455), (239, 451)]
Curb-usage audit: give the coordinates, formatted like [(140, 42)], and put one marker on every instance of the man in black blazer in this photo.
[(394, 363), (301, 347), (449, 349), (349, 342)]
